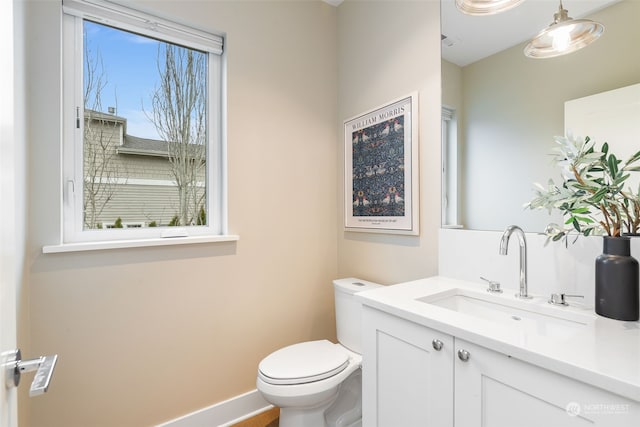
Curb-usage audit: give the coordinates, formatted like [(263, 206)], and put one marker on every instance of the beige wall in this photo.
[(386, 50), (145, 335)]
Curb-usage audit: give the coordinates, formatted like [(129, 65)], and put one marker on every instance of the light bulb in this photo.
[(561, 38)]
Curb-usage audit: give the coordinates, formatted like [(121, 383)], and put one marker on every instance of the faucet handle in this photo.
[(559, 299), (494, 287)]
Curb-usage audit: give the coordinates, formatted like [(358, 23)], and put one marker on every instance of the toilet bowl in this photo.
[(304, 380), (319, 383)]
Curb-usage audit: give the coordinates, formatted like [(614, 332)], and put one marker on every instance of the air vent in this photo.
[(446, 41)]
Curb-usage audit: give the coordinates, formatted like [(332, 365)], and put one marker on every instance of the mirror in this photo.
[(506, 108)]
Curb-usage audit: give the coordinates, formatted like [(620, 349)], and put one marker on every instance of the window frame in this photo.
[(449, 217), (144, 24)]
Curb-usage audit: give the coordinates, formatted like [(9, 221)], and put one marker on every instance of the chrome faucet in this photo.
[(504, 245)]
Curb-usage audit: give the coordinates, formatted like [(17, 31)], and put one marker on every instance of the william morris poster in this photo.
[(381, 169)]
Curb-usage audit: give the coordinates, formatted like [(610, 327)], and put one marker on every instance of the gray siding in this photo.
[(141, 203), (141, 186)]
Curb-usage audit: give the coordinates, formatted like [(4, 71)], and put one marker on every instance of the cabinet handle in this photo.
[(464, 355), (437, 344)]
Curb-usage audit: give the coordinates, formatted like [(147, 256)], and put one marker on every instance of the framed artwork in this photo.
[(381, 169)]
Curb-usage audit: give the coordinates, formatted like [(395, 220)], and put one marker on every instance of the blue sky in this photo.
[(130, 68)]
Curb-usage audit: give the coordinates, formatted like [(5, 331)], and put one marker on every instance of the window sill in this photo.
[(141, 243)]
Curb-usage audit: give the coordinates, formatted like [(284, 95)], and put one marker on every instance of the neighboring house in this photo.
[(128, 177)]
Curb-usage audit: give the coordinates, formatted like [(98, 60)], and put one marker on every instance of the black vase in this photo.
[(617, 280)]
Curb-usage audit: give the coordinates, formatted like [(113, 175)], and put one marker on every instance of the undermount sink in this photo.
[(526, 316)]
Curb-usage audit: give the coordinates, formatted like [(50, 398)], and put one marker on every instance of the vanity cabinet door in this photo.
[(407, 373), (493, 389)]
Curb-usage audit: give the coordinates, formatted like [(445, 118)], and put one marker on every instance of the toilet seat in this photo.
[(303, 363)]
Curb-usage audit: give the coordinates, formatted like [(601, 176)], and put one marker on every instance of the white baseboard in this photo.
[(223, 414)]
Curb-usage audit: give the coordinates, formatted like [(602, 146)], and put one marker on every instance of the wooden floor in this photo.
[(269, 418)]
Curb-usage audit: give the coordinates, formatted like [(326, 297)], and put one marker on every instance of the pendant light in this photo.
[(485, 7), (564, 35)]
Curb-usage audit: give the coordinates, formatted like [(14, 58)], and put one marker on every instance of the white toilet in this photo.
[(318, 383)]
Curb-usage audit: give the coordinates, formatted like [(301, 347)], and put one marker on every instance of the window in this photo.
[(143, 147), (449, 203)]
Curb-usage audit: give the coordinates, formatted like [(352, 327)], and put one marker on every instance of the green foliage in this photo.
[(153, 224), (202, 217), (118, 223), (591, 196), (175, 221)]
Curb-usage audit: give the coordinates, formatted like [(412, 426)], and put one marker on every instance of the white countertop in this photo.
[(603, 352)]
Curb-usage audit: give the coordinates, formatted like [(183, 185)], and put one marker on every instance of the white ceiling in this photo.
[(476, 37)]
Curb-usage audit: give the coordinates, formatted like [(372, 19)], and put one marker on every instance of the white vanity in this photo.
[(442, 352)]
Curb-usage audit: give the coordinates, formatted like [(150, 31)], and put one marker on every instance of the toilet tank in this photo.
[(349, 311)]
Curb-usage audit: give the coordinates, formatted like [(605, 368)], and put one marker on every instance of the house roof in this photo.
[(136, 145), (131, 144), (97, 115), (143, 146)]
